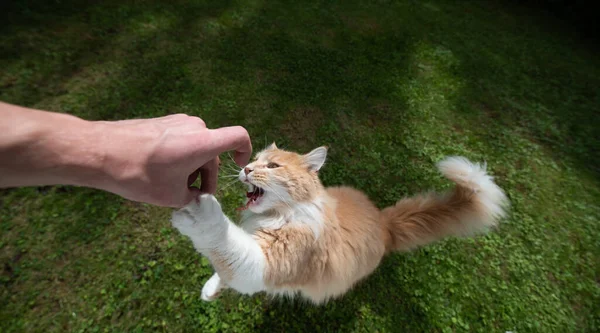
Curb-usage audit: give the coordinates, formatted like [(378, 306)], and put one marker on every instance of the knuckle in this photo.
[(198, 121), (179, 116), (242, 132), (241, 129)]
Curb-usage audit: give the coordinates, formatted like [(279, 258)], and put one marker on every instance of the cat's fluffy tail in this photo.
[(474, 206)]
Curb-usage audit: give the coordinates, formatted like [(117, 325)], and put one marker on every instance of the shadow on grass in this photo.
[(47, 45), (377, 303)]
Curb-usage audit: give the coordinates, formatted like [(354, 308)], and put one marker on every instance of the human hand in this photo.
[(156, 160)]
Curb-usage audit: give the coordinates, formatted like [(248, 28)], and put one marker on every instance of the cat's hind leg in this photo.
[(212, 288)]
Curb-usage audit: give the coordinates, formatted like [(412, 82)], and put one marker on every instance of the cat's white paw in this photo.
[(202, 213), (206, 208), (212, 288)]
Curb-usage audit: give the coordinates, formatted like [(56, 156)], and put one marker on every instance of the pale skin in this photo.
[(145, 160)]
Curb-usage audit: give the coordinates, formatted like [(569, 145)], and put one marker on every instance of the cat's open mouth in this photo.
[(253, 196)]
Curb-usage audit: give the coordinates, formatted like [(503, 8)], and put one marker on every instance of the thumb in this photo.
[(232, 138)]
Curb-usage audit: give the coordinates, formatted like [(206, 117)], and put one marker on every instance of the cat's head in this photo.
[(278, 179)]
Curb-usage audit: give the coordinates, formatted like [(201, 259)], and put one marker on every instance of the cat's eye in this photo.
[(273, 165)]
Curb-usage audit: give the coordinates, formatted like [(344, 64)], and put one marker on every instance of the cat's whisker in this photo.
[(266, 140), (229, 176), (231, 167), (232, 160), (226, 163), (228, 185), (231, 171), (231, 181)]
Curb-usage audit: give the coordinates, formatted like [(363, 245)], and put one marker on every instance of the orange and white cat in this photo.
[(299, 238)]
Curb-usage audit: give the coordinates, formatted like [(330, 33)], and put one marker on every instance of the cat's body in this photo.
[(298, 237)]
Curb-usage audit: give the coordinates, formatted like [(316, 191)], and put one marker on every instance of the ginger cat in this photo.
[(299, 238)]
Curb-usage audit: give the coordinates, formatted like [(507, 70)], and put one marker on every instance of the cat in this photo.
[(298, 237)]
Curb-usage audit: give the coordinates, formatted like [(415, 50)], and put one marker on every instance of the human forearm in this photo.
[(45, 148)]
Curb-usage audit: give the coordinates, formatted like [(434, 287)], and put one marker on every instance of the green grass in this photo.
[(390, 86)]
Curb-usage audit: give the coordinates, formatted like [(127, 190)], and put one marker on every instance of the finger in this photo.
[(233, 138), (208, 175)]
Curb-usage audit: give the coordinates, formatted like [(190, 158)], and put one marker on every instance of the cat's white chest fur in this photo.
[(252, 222), (309, 214)]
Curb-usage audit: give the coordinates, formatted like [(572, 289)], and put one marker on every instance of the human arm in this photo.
[(147, 160)]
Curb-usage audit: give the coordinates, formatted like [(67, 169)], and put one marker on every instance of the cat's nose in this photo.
[(247, 170)]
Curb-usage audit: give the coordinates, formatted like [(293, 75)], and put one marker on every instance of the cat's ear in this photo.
[(316, 158), (273, 146)]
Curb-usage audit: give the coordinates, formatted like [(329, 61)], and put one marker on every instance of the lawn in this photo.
[(390, 86)]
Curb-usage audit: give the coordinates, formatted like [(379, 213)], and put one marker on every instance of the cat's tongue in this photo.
[(252, 196)]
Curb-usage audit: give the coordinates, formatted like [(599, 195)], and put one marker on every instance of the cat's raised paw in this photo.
[(203, 212), (207, 207)]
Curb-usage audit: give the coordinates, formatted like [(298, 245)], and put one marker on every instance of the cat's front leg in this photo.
[(235, 254)]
